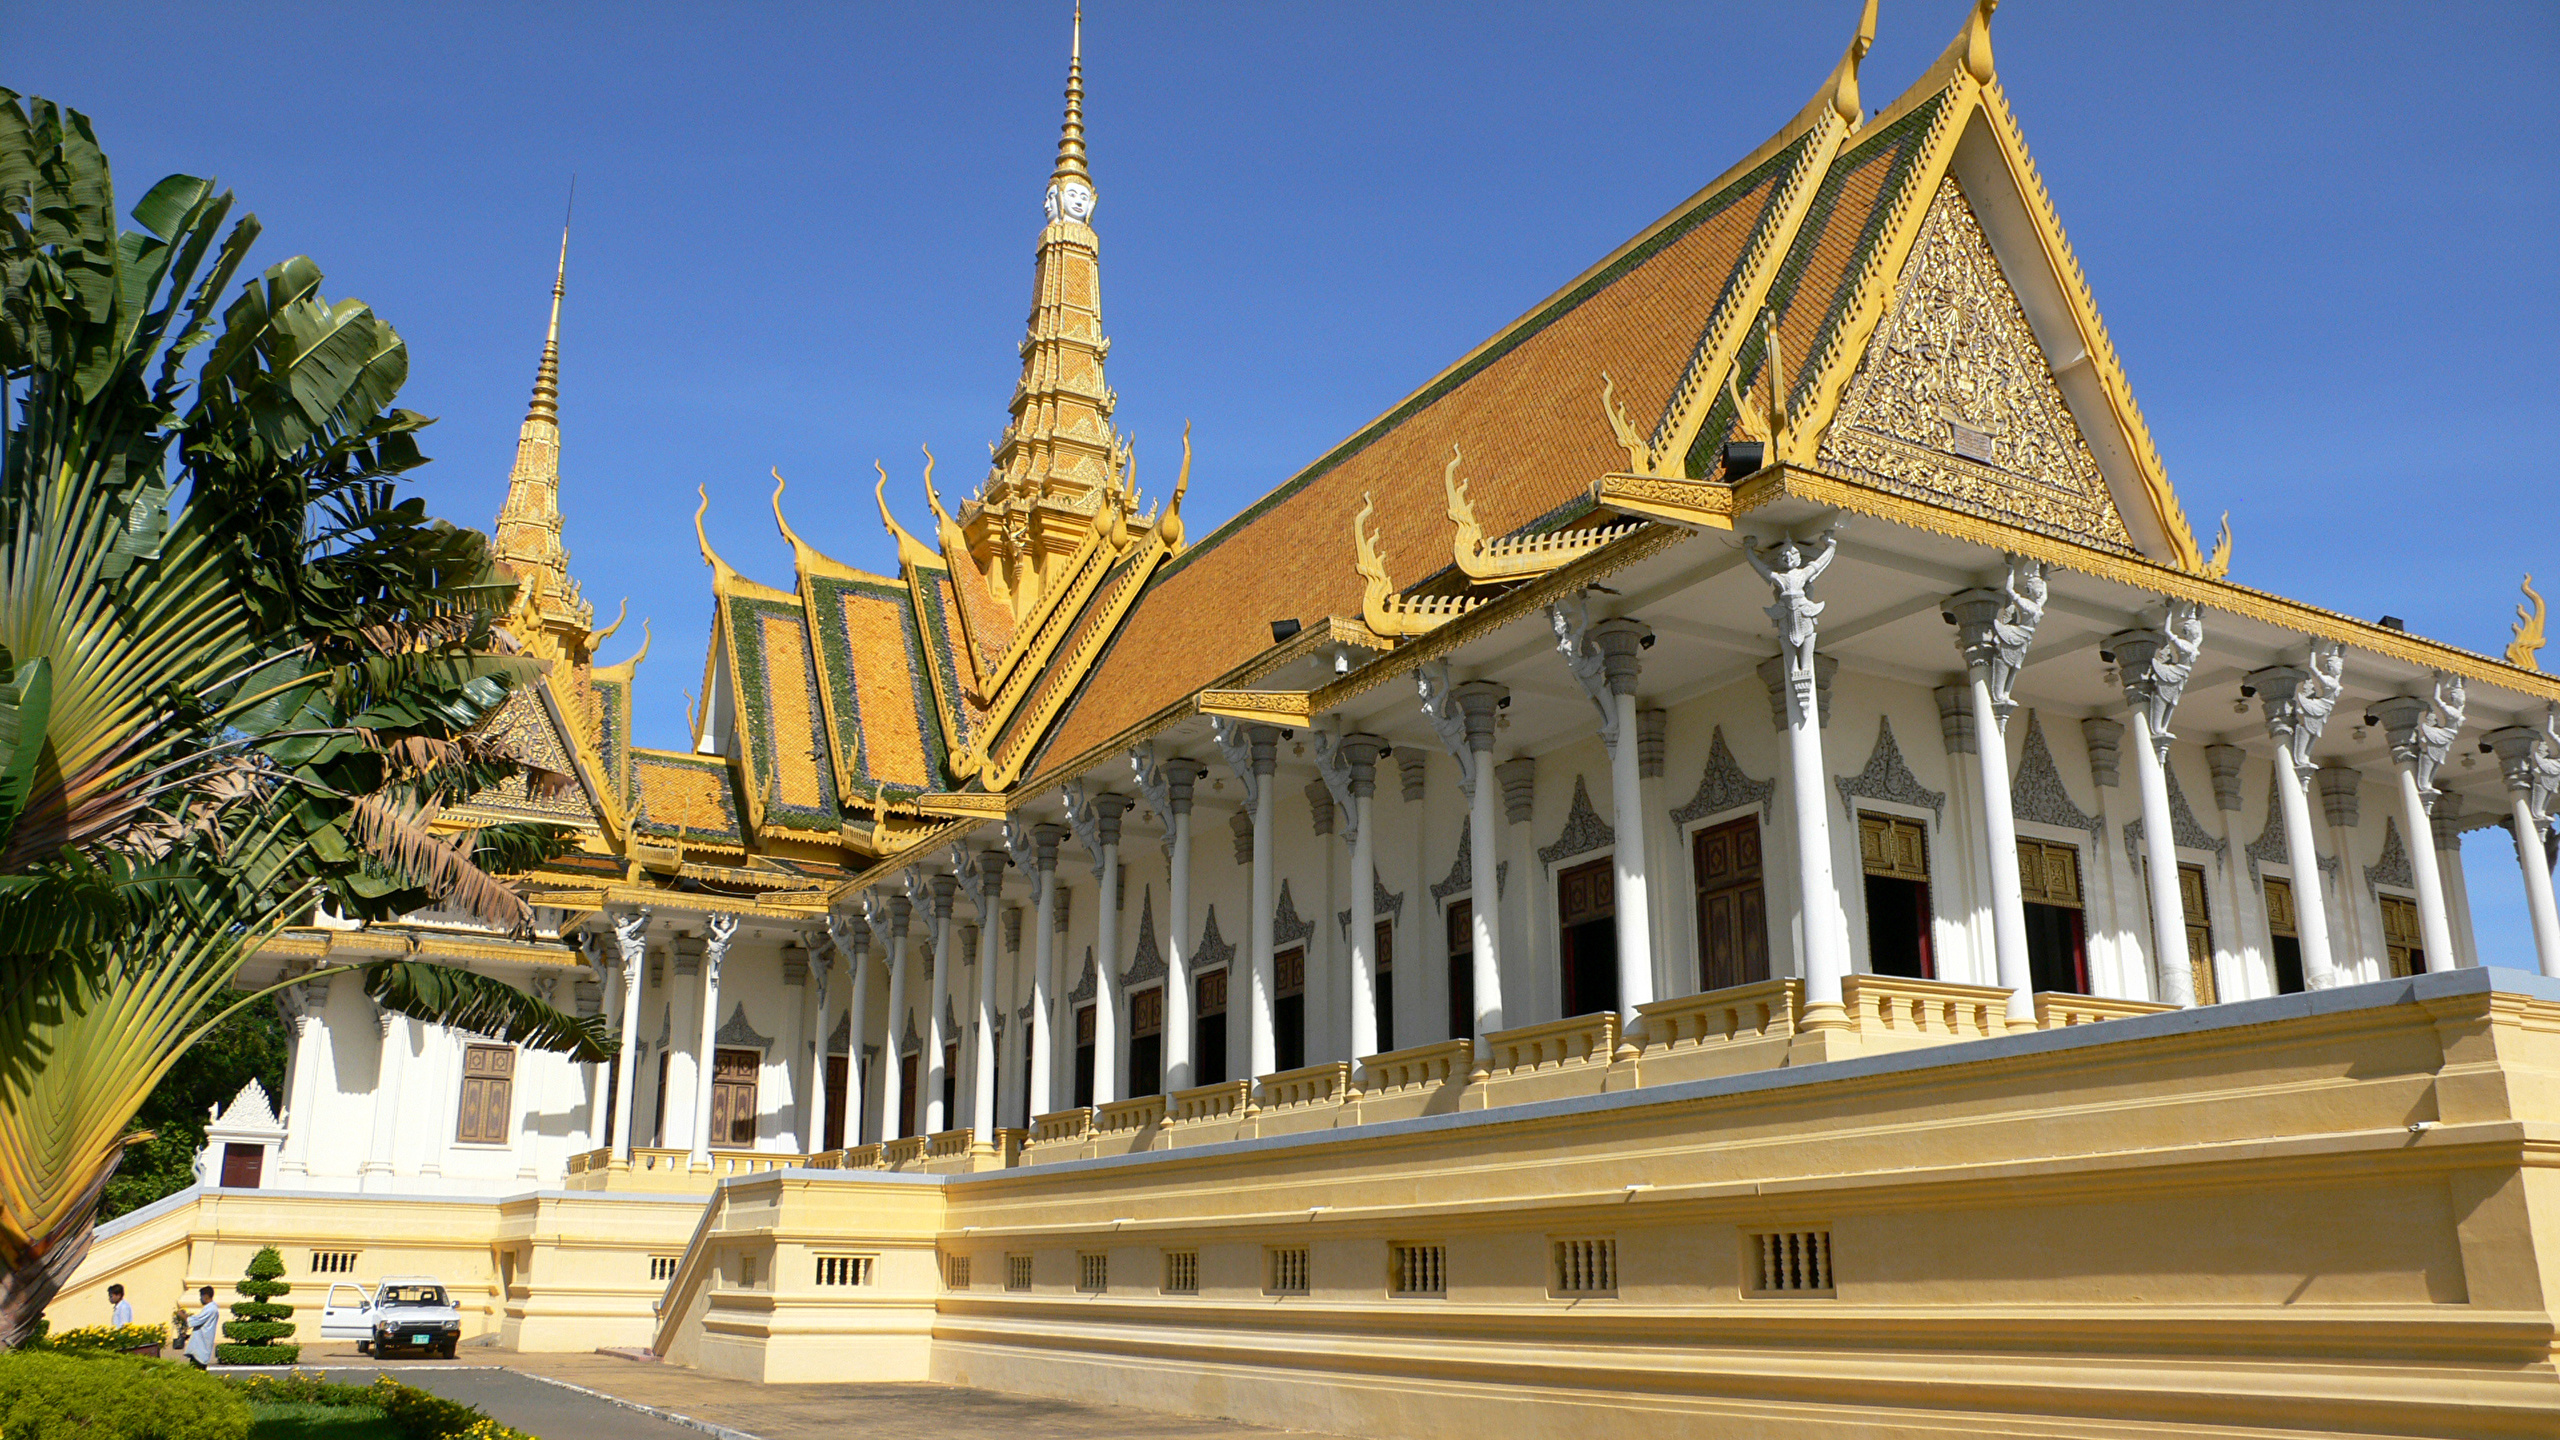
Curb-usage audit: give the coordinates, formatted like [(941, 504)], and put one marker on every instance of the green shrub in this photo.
[(52, 1396), (421, 1416), (301, 1387), (256, 1324)]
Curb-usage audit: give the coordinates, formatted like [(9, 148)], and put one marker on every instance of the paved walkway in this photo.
[(598, 1397)]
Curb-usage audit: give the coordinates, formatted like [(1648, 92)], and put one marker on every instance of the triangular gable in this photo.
[(1955, 404), (1956, 122), (526, 728)]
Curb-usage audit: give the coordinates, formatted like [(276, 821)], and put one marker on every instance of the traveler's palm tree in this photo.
[(240, 675)]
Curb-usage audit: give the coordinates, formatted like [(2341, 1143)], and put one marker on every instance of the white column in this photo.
[(1180, 775), (1790, 574), (1361, 751), (1994, 627), (2153, 663), (386, 1100), (1107, 808), (609, 982), (813, 1102), (720, 930), (1044, 969), (2531, 761), (931, 1068), (1252, 751), (901, 912), (2297, 701), (1479, 703), (988, 892), (301, 1080), (1620, 641), (631, 942), (2420, 733), (853, 941), (684, 987)]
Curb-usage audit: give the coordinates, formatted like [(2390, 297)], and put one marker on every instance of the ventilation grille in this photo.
[(1586, 1267), (662, 1267), (1182, 1272), (1289, 1271), (844, 1269), (333, 1262), (955, 1271), (1418, 1270), (1017, 1272), (1793, 1262), (1093, 1272)]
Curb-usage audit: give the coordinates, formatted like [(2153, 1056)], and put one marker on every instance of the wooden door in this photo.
[(2199, 916), (2402, 940), (1383, 971), (1895, 855), (1462, 970), (733, 1096), (1146, 1042), (1209, 1028), (831, 1130), (242, 1166), (2057, 934), (906, 1096), (1733, 919), (1289, 1008), (488, 1094), (1587, 925), (2284, 935)]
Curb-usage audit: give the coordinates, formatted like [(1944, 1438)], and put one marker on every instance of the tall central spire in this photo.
[(1060, 470), (549, 619)]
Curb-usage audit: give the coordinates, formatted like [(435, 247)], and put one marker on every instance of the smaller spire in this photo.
[(1071, 135)]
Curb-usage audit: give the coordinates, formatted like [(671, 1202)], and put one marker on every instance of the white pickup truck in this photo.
[(407, 1312)]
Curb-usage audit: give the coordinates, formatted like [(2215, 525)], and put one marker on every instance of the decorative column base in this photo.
[(1824, 1032)]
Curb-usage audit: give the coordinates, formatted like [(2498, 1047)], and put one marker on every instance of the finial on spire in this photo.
[(1071, 135), (546, 377)]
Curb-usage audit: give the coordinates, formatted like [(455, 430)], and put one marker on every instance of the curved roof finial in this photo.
[(1071, 134), (1977, 41), (1169, 526), (1844, 77), (911, 551), (606, 633), (721, 570)]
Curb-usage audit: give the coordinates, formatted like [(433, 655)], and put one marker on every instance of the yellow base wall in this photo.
[(546, 1271), (2217, 1221)]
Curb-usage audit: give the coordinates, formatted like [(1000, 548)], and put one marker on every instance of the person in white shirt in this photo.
[(124, 1308), (202, 1327)]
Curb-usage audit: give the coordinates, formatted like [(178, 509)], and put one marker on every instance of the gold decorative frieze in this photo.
[(1955, 403), (1382, 609), (1282, 707), (1518, 557)]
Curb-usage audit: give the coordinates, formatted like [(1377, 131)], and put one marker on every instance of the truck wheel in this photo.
[(448, 1349), (364, 1347)]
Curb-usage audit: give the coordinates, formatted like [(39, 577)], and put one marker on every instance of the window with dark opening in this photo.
[(2057, 931), (1895, 855), (1587, 924)]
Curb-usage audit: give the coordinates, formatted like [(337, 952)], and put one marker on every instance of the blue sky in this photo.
[(2321, 237)]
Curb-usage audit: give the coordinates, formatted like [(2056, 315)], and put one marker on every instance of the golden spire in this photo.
[(1059, 472), (549, 619)]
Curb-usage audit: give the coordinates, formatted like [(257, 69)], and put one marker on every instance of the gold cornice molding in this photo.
[(1286, 707)]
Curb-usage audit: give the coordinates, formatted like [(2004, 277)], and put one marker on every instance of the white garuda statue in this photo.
[(1791, 575)]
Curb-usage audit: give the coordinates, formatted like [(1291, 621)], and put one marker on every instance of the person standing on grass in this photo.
[(123, 1313), (202, 1327)]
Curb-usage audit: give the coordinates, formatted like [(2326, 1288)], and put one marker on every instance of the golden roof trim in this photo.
[(1712, 505)]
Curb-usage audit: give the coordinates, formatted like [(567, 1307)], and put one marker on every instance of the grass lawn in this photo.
[(319, 1422)]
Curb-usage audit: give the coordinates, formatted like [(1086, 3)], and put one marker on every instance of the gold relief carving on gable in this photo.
[(1954, 402)]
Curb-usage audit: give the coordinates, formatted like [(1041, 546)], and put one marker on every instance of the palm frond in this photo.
[(458, 999), (399, 833)]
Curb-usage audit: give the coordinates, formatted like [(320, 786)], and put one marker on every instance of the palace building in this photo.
[(1866, 928)]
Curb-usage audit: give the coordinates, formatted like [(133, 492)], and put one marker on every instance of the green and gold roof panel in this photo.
[(874, 659), (690, 798), (783, 747)]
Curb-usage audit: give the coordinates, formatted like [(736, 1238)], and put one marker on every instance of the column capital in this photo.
[(945, 886), (1955, 720), (1480, 702), (2154, 663), (2105, 739), (987, 880), (1994, 626), (1620, 641), (851, 936), (1362, 751), (1250, 750), (1773, 674), (2340, 790), (2530, 762), (1519, 779), (2421, 731)]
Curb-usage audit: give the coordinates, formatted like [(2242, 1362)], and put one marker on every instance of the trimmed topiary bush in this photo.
[(54, 1396), (256, 1324)]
